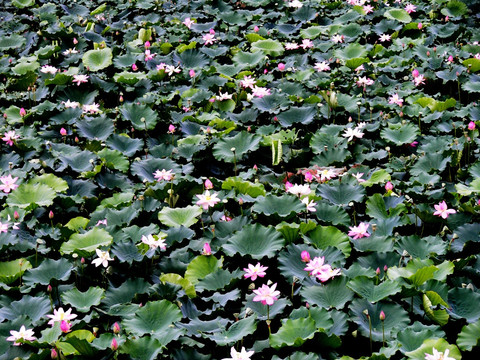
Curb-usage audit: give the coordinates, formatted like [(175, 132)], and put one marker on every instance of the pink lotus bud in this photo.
[(5, 115), (191, 73), (377, 271), (23, 112), (75, 41), (114, 344), (116, 328), (208, 184), (65, 326), (147, 44), (207, 250), (414, 144), (265, 71), (308, 176), (288, 185), (382, 315), (249, 128), (49, 289), (281, 66), (50, 215), (419, 26), (53, 354), (385, 268), (305, 255), (256, 28), (415, 73), (120, 98), (389, 186), (63, 132), (428, 53), (240, 201), (212, 100), (82, 260), (211, 31), (471, 125), (450, 58), (16, 216), (255, 167), (171, 129), (134, 67), (307, 305), (275, 118), (446, 18)]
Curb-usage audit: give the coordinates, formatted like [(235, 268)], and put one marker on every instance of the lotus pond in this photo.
[(251, 179)]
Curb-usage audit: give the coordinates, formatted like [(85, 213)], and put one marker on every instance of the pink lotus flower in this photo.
[(410, 8), (163, 175), (171, 129), (103, 258), (309, 204), (80, 79), (47, 69), (308, 177), (267, 295), (65, 326), (91, 108), (305, 255), (153, 243), (315, 266), (419, 80), (307, 44), (359, 231), (247, 82), (299, 190), (327, 273), (207, 250), (395, 99), (368, 9), (209, 38), (206, 200), (60, 315), (385, 37), (3, 227), (322, 66), (338, 38), (22, 334), (8, 183), (442, 210), (188, 22), (149, 55), (260, 91), (438, 355), (253, 272)]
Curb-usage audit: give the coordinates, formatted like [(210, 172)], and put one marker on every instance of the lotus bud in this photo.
[(65, 326), (389, 186), (207, 250), (419, 26), (114, 344), (82, 260), (211, 31), (63, 132), (23, 112), (471, 125), (255, 167), (53, 354), (116, 328), (415, 73), (191, 73), (377, 271), (50, 215), (305, 255), (134, 67), (147, 44), (16, 216), (382, 316), (49, 289), (75, 41), (5, 115), (450, 58), (171, 129), (120, 98), (256, 28), (281, 66), (308, 177), (76, 139), (208, 184)]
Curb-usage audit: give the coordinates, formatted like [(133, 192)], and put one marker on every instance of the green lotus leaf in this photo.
[(85, 244), (125, 144), (396, 318), (27, 195), (244, 187), (247, 59), (399, 15), (114, 159), (129, 78), (469, 337), (351, 30), (421, 247), (430, 300), (351, 51), (155, 318), (12, 270), (177, 217), (290, 231), (298, 356), (268, 47), (400, 135), (304, 14), (472, 64), (218, 279), (333, 294), (341, 194), (256, 241), (191, 59), (378, 177), (179, 280), (462, 303), (142, 117), (471, 86), (455, 8), (236, 332), (52, 181), (77, 223), (11, 42), (200, 267), (252, 37), (21, 4), (125, 292), (324, 236), (235, 148), (413, 337), (293, 333), (356, 62), (367, 289), (26, 65), (49, 269), (416, 271), (312, 32), (282, 206), (34, 307), (83, 301), (98, 59), (99, 128), (144, 348), (127, 252), (303, 115), (225, 105), (439, 344)]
